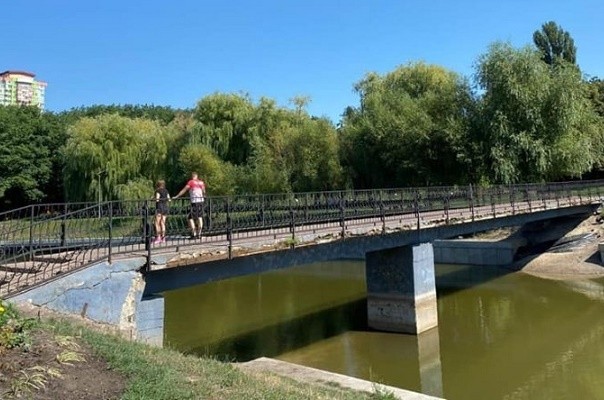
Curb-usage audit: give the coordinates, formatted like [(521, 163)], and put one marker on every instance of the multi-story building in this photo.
[(20, 88)]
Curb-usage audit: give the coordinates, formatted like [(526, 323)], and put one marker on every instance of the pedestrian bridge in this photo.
[(49, 250)]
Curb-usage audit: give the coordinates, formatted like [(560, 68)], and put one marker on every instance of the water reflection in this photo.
[(268, 314), (500, 335)]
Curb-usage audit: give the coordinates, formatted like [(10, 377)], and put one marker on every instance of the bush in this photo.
[(14, 330)]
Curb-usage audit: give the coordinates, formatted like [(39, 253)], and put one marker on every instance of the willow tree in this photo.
[(409, 128), (224, 124), (536, 122), (113, 157)]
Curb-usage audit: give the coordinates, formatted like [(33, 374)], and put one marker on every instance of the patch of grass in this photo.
[(162, 374)]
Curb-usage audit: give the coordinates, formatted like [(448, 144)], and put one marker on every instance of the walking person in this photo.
[(162, 197), (197, 190)]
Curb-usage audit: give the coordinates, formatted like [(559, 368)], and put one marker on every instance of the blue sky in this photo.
[(174, 53)]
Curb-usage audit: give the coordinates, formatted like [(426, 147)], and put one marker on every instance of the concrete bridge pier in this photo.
[(401, 291), (430, 368)]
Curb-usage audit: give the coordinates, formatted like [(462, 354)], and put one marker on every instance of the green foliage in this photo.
[(409, 129), (28, 155), (595, 93), (216, 173), (534, 122), (14, 330), (224, 124), (113, 157), (555, 44), (162, 114)]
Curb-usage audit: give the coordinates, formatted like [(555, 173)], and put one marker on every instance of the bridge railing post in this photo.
[(512, 198), (416, 207), (342, 215), (471, 199), (528, 196), (110, 232), (292, 225), (306, 208), (146, 233), (64, 226), (382, 212), (493, 210), (447, 205), (31, 234), (229, 228)]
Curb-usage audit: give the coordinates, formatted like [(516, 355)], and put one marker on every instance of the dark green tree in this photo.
[(29, 161), (555, 44)]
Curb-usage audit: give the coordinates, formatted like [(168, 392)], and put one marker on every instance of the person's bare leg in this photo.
[(200, 221), (157, 228), (192, 226), (163, 228)]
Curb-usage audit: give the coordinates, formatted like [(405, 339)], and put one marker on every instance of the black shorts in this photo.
[(196, 210), (162, 209)]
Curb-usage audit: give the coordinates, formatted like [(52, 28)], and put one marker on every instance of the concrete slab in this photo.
[(317, 376)]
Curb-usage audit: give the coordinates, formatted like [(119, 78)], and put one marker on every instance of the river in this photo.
[(501, 335)]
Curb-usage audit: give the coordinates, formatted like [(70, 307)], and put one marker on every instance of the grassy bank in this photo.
[(143, 372)]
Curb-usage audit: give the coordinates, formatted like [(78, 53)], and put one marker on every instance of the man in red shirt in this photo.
[(197, 190)]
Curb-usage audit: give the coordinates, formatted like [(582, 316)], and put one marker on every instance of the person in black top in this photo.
[(162, 197)]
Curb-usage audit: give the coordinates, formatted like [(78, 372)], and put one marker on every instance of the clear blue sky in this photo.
[(175, 52)]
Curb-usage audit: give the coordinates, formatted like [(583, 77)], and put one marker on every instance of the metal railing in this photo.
[(40, 242)]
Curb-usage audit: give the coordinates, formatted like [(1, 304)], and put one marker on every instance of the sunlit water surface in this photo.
[(501, 335)]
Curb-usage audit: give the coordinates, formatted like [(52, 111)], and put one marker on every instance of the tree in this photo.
[(555, 44), (224, 124), (216, 173), (409, 128), (595, 91), (30, 139), (113, 157), (535, 123), (163, 114)]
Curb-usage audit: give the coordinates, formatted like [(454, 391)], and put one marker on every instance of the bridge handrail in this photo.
[(32, 236)]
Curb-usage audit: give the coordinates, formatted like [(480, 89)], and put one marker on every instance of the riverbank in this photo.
[(68, 360), (578, 259)]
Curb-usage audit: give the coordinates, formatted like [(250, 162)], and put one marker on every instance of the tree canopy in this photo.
[(535, 122), (30, 140), (409, 128), (555, 44)]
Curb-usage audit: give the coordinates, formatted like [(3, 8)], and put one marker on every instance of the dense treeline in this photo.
[(528, 114)]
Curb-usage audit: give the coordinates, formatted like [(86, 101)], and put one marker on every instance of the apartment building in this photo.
[(21, 88)]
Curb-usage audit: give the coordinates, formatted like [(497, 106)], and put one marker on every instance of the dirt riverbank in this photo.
[(577, 258)]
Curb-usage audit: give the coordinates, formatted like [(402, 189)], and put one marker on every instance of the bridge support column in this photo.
[(150, 320), (401, 293)]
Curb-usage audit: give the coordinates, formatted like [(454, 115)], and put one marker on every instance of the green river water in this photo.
[(501, 335)]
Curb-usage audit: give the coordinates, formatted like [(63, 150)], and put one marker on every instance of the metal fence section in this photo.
[(40, 242)]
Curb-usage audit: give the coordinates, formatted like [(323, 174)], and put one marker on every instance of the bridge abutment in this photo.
[(401, 290), (110, 294)]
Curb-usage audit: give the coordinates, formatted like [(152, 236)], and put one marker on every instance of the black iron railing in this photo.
[(39, 242)]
